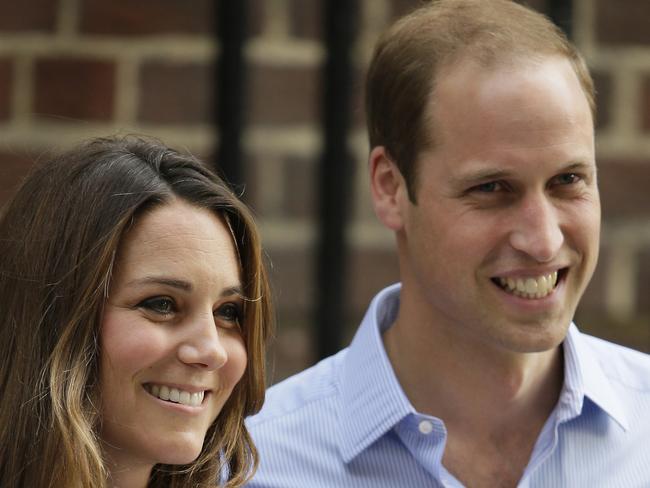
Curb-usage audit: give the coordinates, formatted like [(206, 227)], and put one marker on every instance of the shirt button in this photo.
[(425, 427)]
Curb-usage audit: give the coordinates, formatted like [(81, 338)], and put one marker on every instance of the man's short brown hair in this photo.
[(411, 54)]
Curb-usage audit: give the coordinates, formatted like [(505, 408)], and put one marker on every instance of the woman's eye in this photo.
[(230, 312), (159, 305)]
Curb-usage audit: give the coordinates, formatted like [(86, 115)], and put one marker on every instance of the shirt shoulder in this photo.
[(626, 367), (300, 392), (297, 432)]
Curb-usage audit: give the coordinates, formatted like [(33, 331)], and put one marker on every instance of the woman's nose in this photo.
[(202, 346)]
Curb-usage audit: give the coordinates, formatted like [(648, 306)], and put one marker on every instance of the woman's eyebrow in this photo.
[(181, 285), (233, 290), (162, 280)]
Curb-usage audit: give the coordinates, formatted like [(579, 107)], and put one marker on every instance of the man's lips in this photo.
[(531, 286)]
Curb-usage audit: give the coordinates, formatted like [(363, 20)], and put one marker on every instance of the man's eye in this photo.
[(159, 305), (489, 187), (567, 179), (230, 312)]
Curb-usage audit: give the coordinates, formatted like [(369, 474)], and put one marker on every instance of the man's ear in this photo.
[(388, 189)]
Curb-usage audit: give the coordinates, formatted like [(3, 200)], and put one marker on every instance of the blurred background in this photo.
[(270, 93)]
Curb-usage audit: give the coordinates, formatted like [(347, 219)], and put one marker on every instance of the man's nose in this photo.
[(202, 346), (536, 229)]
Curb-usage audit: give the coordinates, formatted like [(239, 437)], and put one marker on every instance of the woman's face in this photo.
[(171, 345)]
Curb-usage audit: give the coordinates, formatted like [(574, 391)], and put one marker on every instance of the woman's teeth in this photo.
[(530, 287), (175, 395)]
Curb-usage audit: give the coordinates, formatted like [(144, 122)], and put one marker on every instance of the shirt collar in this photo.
[(584, 378), (372, 400)]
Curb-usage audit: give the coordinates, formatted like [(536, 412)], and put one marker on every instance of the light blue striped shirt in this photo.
[(346, 422)]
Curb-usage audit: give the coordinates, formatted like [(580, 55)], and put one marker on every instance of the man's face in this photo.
[(505, 233)]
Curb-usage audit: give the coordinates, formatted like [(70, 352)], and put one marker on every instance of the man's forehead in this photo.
[(462, 89)]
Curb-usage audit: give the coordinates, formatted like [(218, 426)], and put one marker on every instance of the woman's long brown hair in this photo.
[(58, 241)]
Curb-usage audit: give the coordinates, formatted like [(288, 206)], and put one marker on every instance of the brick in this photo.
[(176, 93), (291, 351), (292, 277), (539, 5), (6, 75), (643, 284), (74, 88), (28, 15), (399, 8), (269, 186), (208, 156), (622, 22), (306, 19), (255, 12), (291, 272), (301, 194), (603, 86), (358, 103), (644, 114), (14, 166), (369, 270), (633, 332), (624, 188), (147, 17), (256, 17), (283, 95), (253, 193), (593, 300)]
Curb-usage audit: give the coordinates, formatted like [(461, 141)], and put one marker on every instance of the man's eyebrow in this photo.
[(483, 174), (579, 165), (473, 177)]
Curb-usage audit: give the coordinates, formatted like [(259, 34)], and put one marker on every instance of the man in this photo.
[(471, 373)]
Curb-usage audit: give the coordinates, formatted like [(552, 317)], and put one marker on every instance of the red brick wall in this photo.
[(616, 42), (74, 69)]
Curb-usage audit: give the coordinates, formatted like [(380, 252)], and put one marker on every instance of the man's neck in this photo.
[(494, 403), (469, 384)]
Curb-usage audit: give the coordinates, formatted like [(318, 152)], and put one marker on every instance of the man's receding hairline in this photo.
[(513, 60)]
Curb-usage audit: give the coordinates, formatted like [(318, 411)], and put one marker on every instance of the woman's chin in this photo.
[(181, 453), (179, 460)]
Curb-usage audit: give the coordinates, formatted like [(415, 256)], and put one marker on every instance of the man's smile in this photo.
[(531, 287)]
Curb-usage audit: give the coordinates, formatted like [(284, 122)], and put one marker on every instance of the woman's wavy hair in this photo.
[(59, 237)]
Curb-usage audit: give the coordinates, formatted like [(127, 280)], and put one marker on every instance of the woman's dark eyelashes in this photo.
[(160, 305), (231, 312)]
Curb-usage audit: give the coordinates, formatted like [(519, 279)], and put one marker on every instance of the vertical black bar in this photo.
[(335, 175), (231, 22), (561, 12)]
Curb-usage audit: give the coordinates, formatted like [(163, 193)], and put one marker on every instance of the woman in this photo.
[(135, 310)]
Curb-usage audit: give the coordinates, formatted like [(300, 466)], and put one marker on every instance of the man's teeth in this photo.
[(530, 287), (176, 396)]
